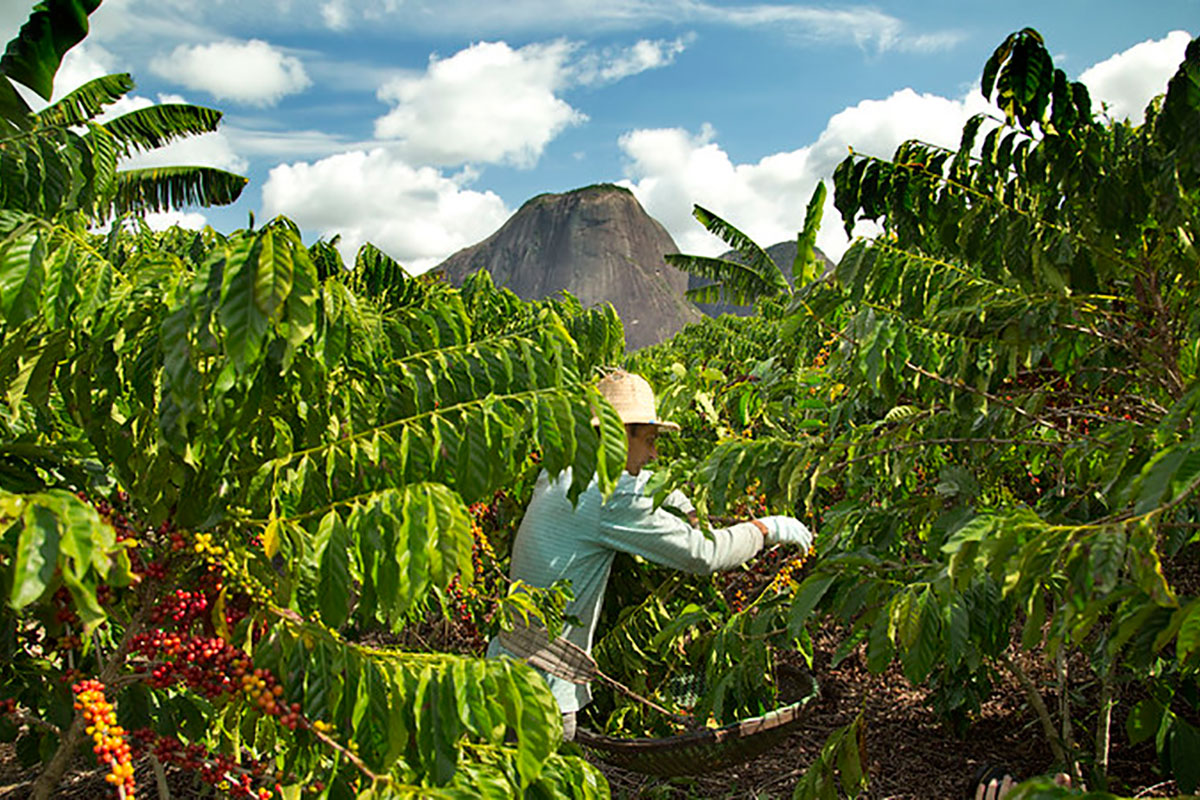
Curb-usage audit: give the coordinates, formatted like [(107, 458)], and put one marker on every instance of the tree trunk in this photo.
[(48, 781)]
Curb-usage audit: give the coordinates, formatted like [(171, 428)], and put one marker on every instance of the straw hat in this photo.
[(633, 399)]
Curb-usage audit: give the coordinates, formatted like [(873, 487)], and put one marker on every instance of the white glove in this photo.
[(787, 530)]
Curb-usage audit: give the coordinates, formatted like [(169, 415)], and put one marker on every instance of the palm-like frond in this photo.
[(163, 188), (14, 111), (804, 265), (755, 257), (53, 28), (154, 126), (87, 101), (733, 282)]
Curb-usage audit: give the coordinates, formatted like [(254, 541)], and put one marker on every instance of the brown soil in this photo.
[(910, 753)]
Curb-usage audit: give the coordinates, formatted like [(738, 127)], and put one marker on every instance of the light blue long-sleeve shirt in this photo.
[(559, 541)]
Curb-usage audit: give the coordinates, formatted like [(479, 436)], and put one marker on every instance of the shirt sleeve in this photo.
[(679, 501), (630, 523)]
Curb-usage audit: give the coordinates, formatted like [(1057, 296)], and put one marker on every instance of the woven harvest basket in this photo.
[(691, 753), (701, 751)]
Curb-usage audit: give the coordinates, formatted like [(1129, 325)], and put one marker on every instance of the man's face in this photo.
[(640, 440)]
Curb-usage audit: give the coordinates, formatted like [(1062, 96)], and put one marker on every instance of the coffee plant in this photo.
[(987, 411), (242, 481), (234, 470)]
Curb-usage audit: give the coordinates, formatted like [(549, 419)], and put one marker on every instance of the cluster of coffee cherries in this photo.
[(481, 547), (183, 648), (774, 571), (221, 561), (213, 667), (738, 600), (116, 512), (783, 580), (64, 612), (180, 608), (108, 737), (475, 603), (241, 779), (264, 692), (752, 504), (160, 568), (462, 600), (822, 356)]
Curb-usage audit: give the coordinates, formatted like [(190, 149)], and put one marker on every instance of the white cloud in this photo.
[(250, 72), (207, 150), (488, 103), (669, 170), (419, 216), (862, 25), (82, 63), (286, 145), (336, 14), (492, 104), (1128, 81), (151, 23), (161, 220), (611, 64)]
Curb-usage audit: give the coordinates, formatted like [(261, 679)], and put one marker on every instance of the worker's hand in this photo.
[(787, 530), (995, 789)]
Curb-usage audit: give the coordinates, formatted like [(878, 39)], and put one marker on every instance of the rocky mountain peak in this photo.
[(597, 243)]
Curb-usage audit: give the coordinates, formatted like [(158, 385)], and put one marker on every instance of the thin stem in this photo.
[(1039, 707), (160, 778), (350, 756), (434, 412), (468, 345), (1104, 722), (993, 199), (991, 398), (33, 721), (950, 440), (1064, 711), (683, 719)]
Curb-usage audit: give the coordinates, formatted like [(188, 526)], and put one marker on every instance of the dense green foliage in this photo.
[(238, 476), (328, 439), (997, 444), (61, 159), (229, 458)]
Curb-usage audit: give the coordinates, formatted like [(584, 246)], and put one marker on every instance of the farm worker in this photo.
[(558, 540)]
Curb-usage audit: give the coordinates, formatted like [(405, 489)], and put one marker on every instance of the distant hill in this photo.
[(597, 243), (783, 253)]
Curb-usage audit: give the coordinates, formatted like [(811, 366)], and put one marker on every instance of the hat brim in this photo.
[(661, 425)]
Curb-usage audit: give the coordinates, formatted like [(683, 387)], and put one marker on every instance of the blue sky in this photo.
[(421, 125)]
